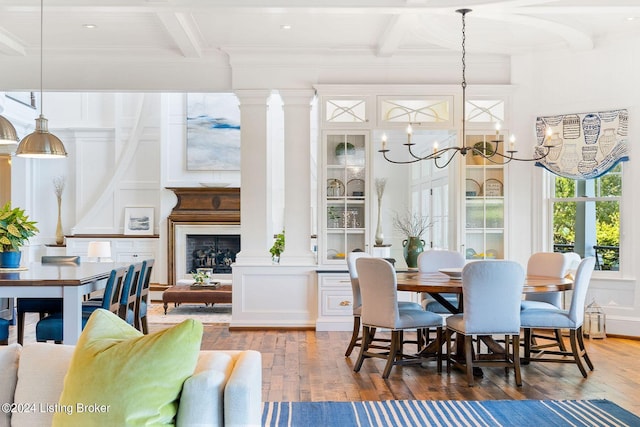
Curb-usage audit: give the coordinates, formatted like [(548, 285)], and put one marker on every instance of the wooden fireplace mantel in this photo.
[(200, 205)]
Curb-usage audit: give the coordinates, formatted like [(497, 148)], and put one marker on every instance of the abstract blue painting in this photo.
[(213, 131)]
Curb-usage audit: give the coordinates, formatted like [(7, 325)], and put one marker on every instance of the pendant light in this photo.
[(40, 143), (8, 133)]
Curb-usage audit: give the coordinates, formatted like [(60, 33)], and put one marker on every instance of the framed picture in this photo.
[(138, 220), (213, 132)]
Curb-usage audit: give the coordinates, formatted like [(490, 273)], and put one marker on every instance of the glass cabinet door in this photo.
[(484, 203), (344, 196)]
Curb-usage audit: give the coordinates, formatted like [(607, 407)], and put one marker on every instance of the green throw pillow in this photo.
[(119, 376)]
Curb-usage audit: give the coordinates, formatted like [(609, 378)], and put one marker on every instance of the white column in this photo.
[(297, 173), (256, 235)]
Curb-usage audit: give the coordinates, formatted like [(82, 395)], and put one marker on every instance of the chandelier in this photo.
[(489, 150)]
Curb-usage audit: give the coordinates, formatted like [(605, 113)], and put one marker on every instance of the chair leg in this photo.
[(394, 352), (468, 353), (145, 325), (558, 334), (439, 349), (354, 336), (20, 322), (366, 339), (516, 359), (527, 345), (583, 350), (576, 352)]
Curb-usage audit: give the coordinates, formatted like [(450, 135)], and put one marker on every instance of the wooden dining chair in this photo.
[(431, 261), (557, 318), (50, 328), (492, 291), (380, 309), (42, 306), (356, 336)]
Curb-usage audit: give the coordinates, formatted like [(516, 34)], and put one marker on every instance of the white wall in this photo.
[(596, 80)]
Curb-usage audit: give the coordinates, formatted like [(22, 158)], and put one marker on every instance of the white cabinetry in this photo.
[(123, 249), (335, 302)]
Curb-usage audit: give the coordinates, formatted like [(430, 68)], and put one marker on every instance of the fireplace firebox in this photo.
[(213, 251)]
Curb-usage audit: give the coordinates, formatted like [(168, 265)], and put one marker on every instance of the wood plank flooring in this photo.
[(310, 366)]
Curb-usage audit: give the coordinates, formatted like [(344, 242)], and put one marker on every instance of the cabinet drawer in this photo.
[(336, 303)]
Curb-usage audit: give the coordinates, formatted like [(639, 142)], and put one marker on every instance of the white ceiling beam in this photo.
[(389, 41), (183, 31)]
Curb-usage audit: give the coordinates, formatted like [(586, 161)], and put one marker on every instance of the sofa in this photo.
[(225, 388)]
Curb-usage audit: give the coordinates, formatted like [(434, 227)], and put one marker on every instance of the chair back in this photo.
[(379, 292), (492, 291), (60, 259), (573, 261), (353, 274), (548, 264), (430, 261), (130, 291), (113, 290), (580, 287)]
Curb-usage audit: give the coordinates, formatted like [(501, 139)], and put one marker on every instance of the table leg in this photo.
[(72, 314)]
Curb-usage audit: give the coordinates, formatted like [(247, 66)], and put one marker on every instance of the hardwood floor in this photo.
[(310, 366)]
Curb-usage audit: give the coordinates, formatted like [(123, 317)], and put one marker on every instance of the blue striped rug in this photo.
[(448, 413)]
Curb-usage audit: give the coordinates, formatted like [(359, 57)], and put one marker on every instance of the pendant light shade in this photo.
[(8, 133), (41, 143)]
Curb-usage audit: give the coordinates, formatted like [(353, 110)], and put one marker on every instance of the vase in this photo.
[(379, 236), (10, 259), (59, 235), (413, 246)]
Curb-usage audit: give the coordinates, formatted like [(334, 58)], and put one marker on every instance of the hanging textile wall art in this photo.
[(583, 145)]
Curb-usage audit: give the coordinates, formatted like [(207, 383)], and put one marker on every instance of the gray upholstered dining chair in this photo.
[(548, 264), (557, 318), (380, 309), (356, 337), (432, 260), (492, 291)]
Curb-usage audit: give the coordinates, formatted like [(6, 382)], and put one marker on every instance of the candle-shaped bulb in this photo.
[(512, 143), (498, 127), (409, 129), (549, 132), (384, 141), (435, 147)]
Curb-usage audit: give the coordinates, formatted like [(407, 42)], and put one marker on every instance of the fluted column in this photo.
[(255, 181), (297, 173)]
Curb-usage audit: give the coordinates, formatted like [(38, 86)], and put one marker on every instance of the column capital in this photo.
[(253, 96), (297, 96)]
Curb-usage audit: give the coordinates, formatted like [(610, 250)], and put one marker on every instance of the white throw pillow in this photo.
[(40, 380), (209, 379), (9, 357)]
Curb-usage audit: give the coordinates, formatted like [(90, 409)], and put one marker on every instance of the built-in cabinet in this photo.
[(344, 196), (335, 302), (484, 202), (123, 249)]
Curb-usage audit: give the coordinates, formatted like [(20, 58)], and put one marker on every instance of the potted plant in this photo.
[(278, 247), (15, 230), (413, 226), (482, 150)]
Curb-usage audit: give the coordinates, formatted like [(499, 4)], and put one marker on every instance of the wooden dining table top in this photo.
[(415, 281)]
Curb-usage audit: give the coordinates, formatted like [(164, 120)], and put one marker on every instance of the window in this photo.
[(586, 217)]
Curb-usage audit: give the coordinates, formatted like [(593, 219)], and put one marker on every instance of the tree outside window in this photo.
[(586, 217)]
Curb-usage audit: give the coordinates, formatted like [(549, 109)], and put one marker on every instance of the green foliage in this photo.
[(15, 228), (278, 245)]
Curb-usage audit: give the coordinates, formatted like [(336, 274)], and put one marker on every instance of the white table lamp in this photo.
[(100, 250)]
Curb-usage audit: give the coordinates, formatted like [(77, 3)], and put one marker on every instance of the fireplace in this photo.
[(203, 231), (205, 246)]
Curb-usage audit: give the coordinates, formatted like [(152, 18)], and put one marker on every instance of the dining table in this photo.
[(71, 282), (436, 284)]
